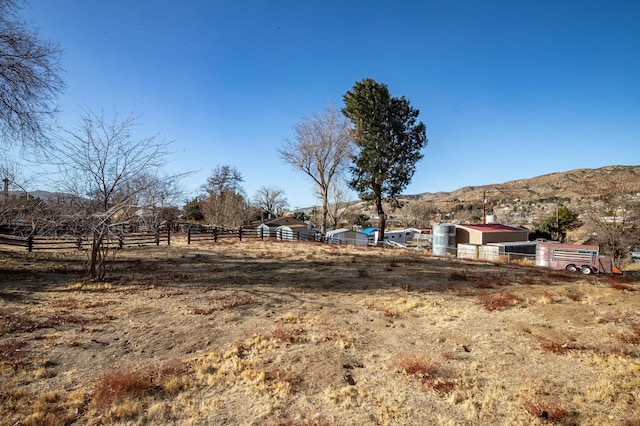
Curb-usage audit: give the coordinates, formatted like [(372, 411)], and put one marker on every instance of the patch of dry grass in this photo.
[(290, 333), (499, 301)]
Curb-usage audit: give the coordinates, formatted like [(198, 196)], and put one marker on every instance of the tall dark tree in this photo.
[(29, 80), (192, 210), (389, 141), (555, 227)]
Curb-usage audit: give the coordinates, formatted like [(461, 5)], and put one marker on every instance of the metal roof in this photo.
[(492, 227)]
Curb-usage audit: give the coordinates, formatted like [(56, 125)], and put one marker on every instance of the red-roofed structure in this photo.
[(482, 234)]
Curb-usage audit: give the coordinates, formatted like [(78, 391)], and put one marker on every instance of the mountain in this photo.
[(569, 187), (518, 202)]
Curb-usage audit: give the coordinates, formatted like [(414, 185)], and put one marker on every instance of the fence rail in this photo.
[(36, 242)]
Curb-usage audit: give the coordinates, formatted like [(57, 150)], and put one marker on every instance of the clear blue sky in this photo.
[(507, 89)]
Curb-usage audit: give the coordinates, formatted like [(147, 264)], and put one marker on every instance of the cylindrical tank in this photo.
[(443, 239)]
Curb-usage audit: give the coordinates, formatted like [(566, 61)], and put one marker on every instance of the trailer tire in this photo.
[(571, 268), (586, 270)]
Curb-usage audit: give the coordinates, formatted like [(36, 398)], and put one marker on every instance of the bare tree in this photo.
[(108, 170), (29, 80), (225, 205), (321, 149), (339, 205), (270, 200), (613, 225), (417, 214)]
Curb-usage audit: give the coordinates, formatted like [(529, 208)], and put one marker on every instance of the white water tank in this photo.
[(443, 239)]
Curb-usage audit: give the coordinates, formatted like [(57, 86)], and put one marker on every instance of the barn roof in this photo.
[(491, 227)]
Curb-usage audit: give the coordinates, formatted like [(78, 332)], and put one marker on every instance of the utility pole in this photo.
[(484, 207)]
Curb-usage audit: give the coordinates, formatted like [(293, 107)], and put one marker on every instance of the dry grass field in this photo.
[(277, 333)]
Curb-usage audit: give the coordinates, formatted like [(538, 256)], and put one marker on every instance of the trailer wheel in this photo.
[(586, 270), (571, 268)]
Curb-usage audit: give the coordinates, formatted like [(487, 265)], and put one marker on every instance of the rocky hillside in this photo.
[(571, 185), (518, 202)]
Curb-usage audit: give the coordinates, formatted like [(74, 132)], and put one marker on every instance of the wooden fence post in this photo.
[(262, 233), (189, 235), (169, 236), (120, 242), (30, 243), (79, 243), (240, 233), (215, 235), (156, 235)]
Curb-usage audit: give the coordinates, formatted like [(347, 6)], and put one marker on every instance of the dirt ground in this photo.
[(282, 333)]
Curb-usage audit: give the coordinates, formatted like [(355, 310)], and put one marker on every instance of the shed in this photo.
[(516, 247), (284, 233), (346, 236), (356, 238), (489, 233), (265, 230), (336, 236), (372, 235)]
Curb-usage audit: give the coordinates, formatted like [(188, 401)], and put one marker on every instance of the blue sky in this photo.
[(507, 89)]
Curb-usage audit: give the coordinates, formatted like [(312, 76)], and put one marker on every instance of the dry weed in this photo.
[(117, 384), (483, 284), (425, 369), (548, 410), (559, 346), (458, 276), (499, 301)]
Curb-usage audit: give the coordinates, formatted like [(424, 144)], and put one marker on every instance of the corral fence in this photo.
[(42, 242), (256, 233), (161, 237)]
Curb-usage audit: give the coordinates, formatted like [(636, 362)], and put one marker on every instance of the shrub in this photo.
[(546, 410), (119, 383), (458, 276), (425, 369), (499, 301), (559, 346)]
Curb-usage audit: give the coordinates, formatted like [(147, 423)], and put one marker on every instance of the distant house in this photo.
[(291, 222)]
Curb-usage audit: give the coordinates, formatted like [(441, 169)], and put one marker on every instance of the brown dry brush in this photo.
[(548, 410), (559, 346), (499, 301), (632, 336), (425, 370), (133, 383)]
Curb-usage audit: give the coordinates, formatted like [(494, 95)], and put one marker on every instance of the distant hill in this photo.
[(518, 202), (573, 184)]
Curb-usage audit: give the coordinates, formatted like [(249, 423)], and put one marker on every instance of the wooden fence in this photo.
[(252, 233), (35, 243)]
